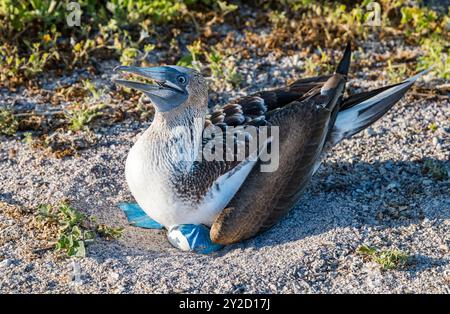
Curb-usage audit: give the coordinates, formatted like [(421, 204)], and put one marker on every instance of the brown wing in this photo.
[(304, 113), (252, 110), (233, 120), (258, 104), (267, 196)]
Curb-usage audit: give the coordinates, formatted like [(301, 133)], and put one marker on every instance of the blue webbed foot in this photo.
[(137, 217), (192, 238)]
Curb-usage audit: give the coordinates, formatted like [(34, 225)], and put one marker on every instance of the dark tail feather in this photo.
[(361, 110), (344, 64)]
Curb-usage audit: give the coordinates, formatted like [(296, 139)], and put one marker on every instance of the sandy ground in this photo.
[(370, 190)]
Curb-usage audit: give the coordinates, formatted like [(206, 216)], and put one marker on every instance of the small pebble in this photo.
[(113, 276), (370, 132), (435, 141), (6, 263)]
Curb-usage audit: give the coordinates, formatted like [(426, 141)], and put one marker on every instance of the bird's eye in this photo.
[(181, 79)]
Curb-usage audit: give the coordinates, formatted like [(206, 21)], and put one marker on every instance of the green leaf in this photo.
[(367, 250)]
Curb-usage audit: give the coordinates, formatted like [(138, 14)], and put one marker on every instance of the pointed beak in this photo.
[(162, 76), (169, 90)]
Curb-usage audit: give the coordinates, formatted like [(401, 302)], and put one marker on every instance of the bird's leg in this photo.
[(137, 217), (193, 238)]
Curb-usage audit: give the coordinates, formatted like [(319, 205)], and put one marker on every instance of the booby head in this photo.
[(174, 85)]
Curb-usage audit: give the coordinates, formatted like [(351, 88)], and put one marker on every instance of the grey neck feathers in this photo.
[(175, 138)]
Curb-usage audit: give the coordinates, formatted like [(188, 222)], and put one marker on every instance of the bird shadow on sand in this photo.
[(379, 197), (419, 263)]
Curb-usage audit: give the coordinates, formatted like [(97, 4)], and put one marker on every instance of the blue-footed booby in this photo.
[(231, 199)]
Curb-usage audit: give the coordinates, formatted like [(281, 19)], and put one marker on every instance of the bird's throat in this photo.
[(176, 143)]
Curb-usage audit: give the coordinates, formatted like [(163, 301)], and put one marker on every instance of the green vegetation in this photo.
[(432, 127), (36, 33), (90, 87), (191, 60), (81, 115), (222, 67), (396, 73), (28, 138), (36, 39), (74, 229), (8, 122), (387, 259), (318, 64), (436, 57), (431, 31), (219, 64), (80, 118)]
